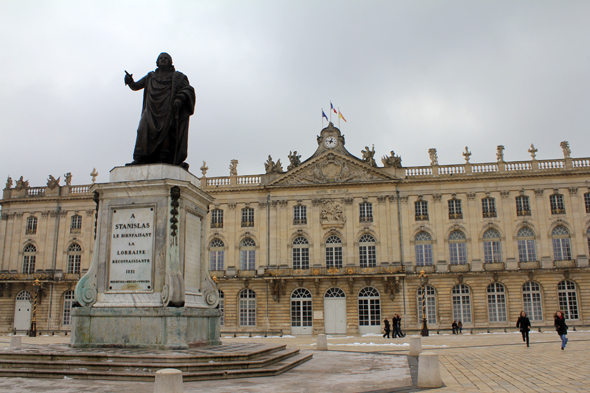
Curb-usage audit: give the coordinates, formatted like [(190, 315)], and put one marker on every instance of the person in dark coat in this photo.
[(460, 326), (561, 328), (455, 327), (387, 328), (394, 326), (525, 326), (398, 326)]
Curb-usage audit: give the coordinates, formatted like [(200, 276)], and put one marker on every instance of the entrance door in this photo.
[(369, 308), (22, 311), (301, 312), (335, 311)]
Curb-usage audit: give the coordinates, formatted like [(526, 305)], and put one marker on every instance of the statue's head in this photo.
[(164, 60)]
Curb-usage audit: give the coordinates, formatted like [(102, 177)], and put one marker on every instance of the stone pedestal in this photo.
[(429, 371), (322, 342), (148, 285), (415, 345), (168, 380)]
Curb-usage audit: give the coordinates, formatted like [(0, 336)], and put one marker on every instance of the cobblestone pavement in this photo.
[(497, 362)]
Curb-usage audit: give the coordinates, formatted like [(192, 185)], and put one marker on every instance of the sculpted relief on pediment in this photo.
[(334, 170), (331, 212)]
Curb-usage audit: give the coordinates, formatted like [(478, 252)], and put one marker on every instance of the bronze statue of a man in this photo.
[(168, 102)]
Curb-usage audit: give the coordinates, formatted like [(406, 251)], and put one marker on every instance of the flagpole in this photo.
[(338, 117), (331, 111)]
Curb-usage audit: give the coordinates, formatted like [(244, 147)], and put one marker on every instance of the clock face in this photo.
[(330, 142)]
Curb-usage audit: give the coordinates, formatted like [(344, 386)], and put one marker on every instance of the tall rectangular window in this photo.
[(488, 207), (455, 209), (216, 218), (247, 217), (522, 206), (299, 215), (366, 212), (31, 225), (421, 209), (587, 201), (557, 205), (76, 224)]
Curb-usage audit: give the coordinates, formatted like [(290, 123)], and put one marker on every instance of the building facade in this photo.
[(336, 243)]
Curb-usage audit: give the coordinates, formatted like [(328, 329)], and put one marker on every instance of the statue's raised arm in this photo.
[(168, 102)]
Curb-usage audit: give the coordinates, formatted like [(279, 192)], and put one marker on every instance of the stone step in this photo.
[(260, 360), (145, 375)]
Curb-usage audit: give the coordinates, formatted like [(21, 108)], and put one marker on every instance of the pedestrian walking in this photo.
[(394, 326), (561, 327), (387, 328), (399, 326), (524, 324)]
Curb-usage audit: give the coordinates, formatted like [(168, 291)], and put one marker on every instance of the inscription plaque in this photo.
[(132, 243)]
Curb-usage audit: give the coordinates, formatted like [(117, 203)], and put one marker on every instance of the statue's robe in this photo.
[(162, 137)]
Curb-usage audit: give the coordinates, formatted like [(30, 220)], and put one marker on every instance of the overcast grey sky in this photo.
[(407, 76)]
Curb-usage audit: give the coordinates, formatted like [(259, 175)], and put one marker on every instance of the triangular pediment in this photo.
[(332, 167)]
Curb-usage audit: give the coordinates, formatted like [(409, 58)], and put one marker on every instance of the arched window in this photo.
[(369, 307), (300, 253), (301, 310), (458, 248), (247, 307), (221, 306), (568, 299), (461, 303), (29, 258), (496, 302), (561, 244), (24, 295), (367, 254), (526, 245), (334, 292), (74, 258), (248, 254), (216, 254), (531, 300), (68, 301), (423, 247), (334, 252), (491, 246), (430, 304)]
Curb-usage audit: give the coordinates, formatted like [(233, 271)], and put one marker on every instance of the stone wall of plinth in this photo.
[(148, 285)]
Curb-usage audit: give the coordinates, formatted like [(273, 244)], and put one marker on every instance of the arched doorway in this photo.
[(301, 312), (334, 311), (22, 311), (369, 308)]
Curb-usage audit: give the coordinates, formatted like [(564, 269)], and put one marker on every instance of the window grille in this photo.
[(488, 207), (587, 201), (455, 209), (526, 245), (366, 212), (531, 300), (24, 295), (333, 252), (568, 299), (300, 253), (367, 253), (556, 202), (247, 307), (221, 307), (423, 249), (461, 303), (334, 292), (458, 248), (248, 254), (430, 304), (496, 302), (299, 215), (76, 224), (421, 210), (491, 246), (561, 244), (216, 254), (31, 225), (29, 258), (369, 307), (217, 218), (523, 207), (247, 217), (301, 308), (74, 258), (67, 314)]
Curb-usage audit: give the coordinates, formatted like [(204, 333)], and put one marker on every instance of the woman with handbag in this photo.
[(561, 327)]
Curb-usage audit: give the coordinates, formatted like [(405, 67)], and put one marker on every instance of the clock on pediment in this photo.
[(330, 142)]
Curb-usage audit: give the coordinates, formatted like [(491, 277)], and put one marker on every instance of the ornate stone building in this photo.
[(336, 243)]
